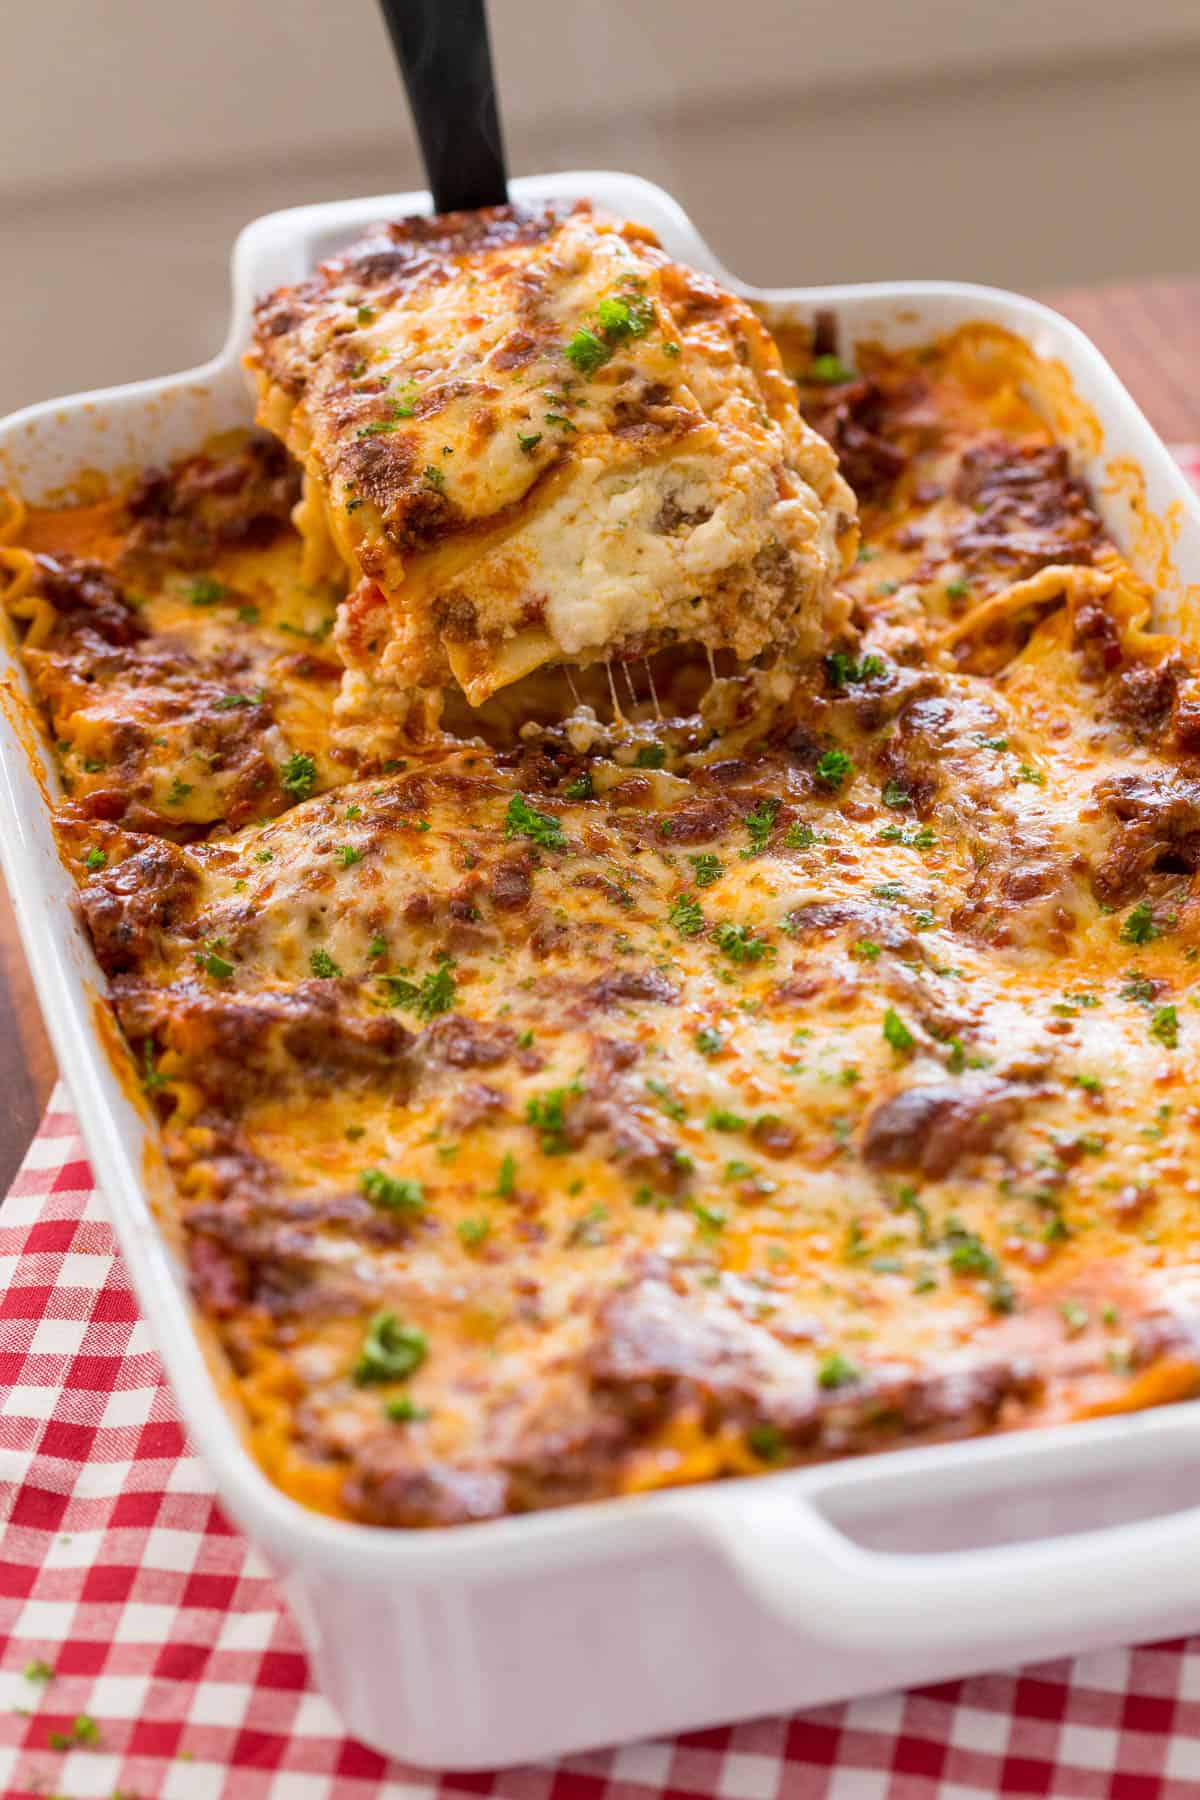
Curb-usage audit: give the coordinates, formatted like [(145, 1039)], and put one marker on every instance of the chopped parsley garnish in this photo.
[(957, 590), (721, 1119), (706, 868), (95, 859), (547, 1114), (204, 591), (896, 1032), (896, 794), (922, 839), (435, 477), (830, 370), (506, 1175), (1165, 1027), (1075, 1317), (217, 967), (709, 1041), (835, 1370), (834, 767), (580, 787), (710, 1220), (1138, 926), (766, 1442), (437, 991), (969, 1255), (364, 315), (529, 440), (315, 636), (84, 1730), (377, 947), (323, 965), (993, 743), (390, 1351), (586, 352), (685, 915), (395, 1192), (152, 1076), (523, 820), (618, 318), (178, 792), (801, 836), (1002, 1296), (739, 943), (298, 775), (472, 1233), (377, 428), (621, 317), (1091, 1084), (842, 669), (759, 823), (558, 419), (1137, 987), (865, 950), (405, 1411), (589, 1228), (1034, 776), (650, 756), (668, 1101), (264, 856), (348, 855)]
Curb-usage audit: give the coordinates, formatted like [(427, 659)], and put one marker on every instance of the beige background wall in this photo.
[(1026, 142)]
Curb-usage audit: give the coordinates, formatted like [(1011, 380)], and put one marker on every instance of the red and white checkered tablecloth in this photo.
[(179, 1676)]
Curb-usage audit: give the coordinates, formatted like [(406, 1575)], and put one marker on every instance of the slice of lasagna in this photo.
[(534, 440)]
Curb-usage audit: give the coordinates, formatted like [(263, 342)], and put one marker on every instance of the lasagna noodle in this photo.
[(606, 458), (545, 1127)]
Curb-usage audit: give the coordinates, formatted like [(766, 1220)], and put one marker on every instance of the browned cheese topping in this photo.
[(532, 440), (549, 1125)]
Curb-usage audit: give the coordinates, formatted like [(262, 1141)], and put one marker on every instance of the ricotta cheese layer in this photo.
[(533, 438)]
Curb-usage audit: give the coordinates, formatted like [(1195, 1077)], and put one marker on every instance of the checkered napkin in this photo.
[(178, 1674)]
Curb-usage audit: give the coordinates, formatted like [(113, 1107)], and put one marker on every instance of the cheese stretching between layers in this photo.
[(546, 1129), (532, 438)]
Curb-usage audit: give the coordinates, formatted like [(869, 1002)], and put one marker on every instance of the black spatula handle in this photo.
[(446, 60)]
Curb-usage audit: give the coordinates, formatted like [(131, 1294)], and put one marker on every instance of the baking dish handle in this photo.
[(807, 1570)]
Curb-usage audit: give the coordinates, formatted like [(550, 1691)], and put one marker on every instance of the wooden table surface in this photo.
[(1150, 332)]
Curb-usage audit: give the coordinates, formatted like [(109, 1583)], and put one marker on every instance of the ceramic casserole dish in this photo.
[(530, 1637)]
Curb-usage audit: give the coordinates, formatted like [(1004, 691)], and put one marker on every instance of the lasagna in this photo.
[(531, 439), (550, 1124)]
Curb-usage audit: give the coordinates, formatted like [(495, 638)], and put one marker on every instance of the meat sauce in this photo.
[(546, 1127)]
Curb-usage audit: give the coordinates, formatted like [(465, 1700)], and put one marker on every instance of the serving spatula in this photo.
[(445, 57)]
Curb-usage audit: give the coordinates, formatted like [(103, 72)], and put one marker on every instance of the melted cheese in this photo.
[(545, 435), (785, 1100)]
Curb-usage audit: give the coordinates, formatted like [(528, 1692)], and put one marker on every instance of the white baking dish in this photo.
[(489, 1644)]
